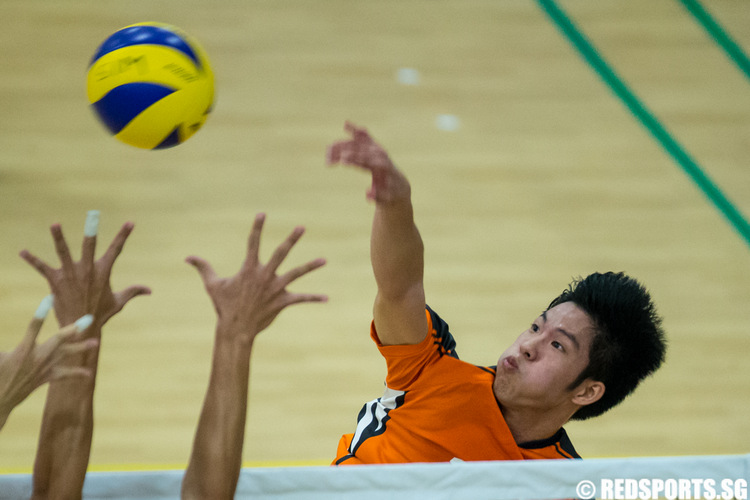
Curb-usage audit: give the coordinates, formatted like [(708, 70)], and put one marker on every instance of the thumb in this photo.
[(204, 269)]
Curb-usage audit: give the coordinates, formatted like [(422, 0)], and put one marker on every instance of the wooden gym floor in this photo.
[(547, 177)]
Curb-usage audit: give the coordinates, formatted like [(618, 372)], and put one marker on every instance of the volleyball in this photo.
[(151, 85)]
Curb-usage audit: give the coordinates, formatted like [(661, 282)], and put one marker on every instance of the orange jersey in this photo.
[(436, 408)]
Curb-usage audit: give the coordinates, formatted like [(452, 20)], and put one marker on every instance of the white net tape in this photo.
[(685, 478)]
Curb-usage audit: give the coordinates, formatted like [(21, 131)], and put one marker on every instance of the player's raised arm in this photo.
[(81, 287), (396, 248), (245, 304)]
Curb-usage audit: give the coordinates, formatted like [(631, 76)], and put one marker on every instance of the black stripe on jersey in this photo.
[(442, 337), (343, 459), (560, 441), (488, 369), (567, 445)]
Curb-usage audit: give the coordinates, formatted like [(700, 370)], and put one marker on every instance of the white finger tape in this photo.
[(44, 307), (91, 228), (84, 322)]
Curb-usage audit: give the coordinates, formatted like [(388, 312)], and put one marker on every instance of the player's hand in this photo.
[(83, 287), (31, 365), (249, 301), (388, 183)]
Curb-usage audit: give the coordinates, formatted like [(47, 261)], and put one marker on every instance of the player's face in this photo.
[(535, 372)]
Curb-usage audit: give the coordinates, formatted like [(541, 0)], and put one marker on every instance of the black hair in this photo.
[(629, 342)]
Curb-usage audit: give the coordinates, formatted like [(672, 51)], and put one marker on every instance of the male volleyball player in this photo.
[(584, 354), (79, 288)]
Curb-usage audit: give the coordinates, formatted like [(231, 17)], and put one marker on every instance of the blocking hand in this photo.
[(249, 301), (31, 365), (83, 287)]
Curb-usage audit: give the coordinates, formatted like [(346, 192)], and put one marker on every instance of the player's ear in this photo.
[(588, 392)]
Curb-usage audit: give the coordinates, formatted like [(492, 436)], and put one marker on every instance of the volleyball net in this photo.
[(714, 477)]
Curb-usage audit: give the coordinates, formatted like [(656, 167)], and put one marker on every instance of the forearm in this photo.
[(79, 288), (216, 456), (396, 250), (398, 264), (65, 439)]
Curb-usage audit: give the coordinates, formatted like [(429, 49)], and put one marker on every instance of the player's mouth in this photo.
[(509, 363)]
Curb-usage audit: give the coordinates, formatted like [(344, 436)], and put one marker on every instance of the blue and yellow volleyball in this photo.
[(151, 85)]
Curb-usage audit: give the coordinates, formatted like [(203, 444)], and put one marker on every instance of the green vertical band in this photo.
[(689, 166)]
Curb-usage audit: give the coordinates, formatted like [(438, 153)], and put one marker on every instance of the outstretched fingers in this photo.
[(38, 364), (276, 284), (124, 296), (72, 333), (41, 267), (35, 326), (61, 246), (115, 248), (52, 361), (253, 243), (299, 271), (206, 272), (283, 250), (88, 249), (303, 298), (69, 341)]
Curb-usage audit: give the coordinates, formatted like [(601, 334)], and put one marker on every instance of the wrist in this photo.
[(238, 338), (231, 356)]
